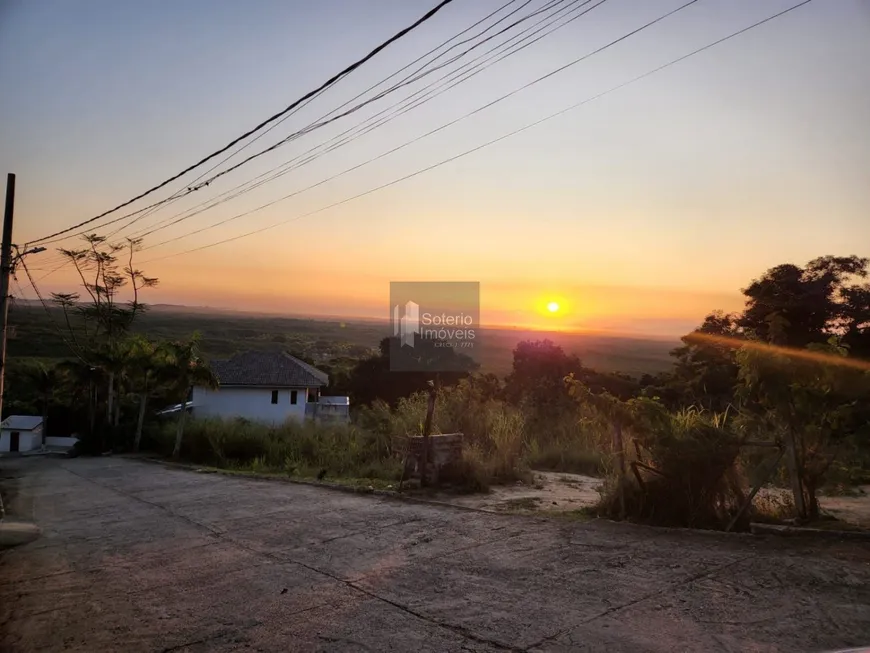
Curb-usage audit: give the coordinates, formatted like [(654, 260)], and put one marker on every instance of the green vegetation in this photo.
[(305, 450), (777, 394)]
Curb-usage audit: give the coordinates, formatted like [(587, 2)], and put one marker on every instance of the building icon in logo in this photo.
[(408, 325)]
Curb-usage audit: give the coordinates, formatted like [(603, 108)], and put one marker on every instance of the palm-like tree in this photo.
[(188, 370), (147, 366)]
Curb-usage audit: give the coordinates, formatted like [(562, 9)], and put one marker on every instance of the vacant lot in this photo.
[(136, 557)]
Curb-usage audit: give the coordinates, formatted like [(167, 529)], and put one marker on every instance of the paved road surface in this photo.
[(137, 557)]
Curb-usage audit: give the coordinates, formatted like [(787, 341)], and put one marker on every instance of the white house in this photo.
[(20, 433), (269, 387)]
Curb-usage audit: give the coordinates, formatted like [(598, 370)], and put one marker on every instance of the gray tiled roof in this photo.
[(21, 422), (268, 369)]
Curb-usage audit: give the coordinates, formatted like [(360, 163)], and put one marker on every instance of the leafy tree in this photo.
[(815, 400), (705, 371), (854, 319), (188, 370), (788, 305), (148, 368), (538, 373), (98, 325), (80, 383), (374, 378), (795, 307)]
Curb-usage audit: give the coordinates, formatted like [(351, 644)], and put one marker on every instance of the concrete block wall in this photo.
[(444, 448)]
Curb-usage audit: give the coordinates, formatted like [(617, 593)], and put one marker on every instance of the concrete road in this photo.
[(137, 557)]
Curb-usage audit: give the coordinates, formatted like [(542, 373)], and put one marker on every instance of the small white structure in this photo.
[(262, 386), (332, 409), (20, 433)]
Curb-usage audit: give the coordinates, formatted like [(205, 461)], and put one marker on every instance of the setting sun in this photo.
[(553, 307)]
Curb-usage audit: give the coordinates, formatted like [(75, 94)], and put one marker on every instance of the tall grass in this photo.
[(300, 449), (501, 441)]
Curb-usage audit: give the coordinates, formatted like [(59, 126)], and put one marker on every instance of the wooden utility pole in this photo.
[(5, 272)]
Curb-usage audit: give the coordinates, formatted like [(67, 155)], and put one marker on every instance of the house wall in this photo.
[(251, 403), (27, 440)]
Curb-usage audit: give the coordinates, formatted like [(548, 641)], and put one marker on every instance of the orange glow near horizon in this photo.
[(307, 286)]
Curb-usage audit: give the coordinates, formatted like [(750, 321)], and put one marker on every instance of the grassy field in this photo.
[(225, 332)]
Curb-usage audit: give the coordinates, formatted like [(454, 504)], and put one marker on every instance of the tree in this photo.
[(815, 400), (795, 307), (705, 371), (147, 367), (374, 378), (854, 319), (44, 380), (187, 370), (538, 373), (104, 320), (82, 381)]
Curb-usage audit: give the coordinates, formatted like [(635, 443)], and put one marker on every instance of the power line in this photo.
[(53, 270), (332, 80), (322, 121), (20, 289), (375, 122), (442, 127), (490, 142), (409, 80)]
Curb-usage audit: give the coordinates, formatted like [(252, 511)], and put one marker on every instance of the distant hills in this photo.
[(226, 331)]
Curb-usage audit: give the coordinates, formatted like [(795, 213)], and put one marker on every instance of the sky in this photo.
[(637, 212)]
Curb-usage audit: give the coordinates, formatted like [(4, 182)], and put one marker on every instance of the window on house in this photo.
[(274, 396), (294, 396)]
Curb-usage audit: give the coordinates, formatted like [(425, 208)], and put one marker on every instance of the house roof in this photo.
[(21, 422), (254, 368)]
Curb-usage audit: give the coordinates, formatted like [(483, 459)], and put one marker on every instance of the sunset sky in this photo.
[(638, 212)]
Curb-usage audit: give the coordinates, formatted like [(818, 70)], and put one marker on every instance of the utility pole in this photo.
[(5, 272)]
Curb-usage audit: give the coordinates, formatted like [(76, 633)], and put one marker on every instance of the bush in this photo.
[(689, 476)]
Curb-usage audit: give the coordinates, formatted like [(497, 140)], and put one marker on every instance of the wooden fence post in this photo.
[(427, 431)]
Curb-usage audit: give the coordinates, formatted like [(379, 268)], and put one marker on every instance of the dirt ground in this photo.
[(137, 557), (561, 492), (549, 492)]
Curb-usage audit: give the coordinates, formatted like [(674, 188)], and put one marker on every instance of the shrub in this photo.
[(687, 474)]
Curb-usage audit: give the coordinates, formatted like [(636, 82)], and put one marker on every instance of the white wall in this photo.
[(27, 440), (251, 403)]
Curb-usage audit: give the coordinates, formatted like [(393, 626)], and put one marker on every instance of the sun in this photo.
[(553, 307)]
